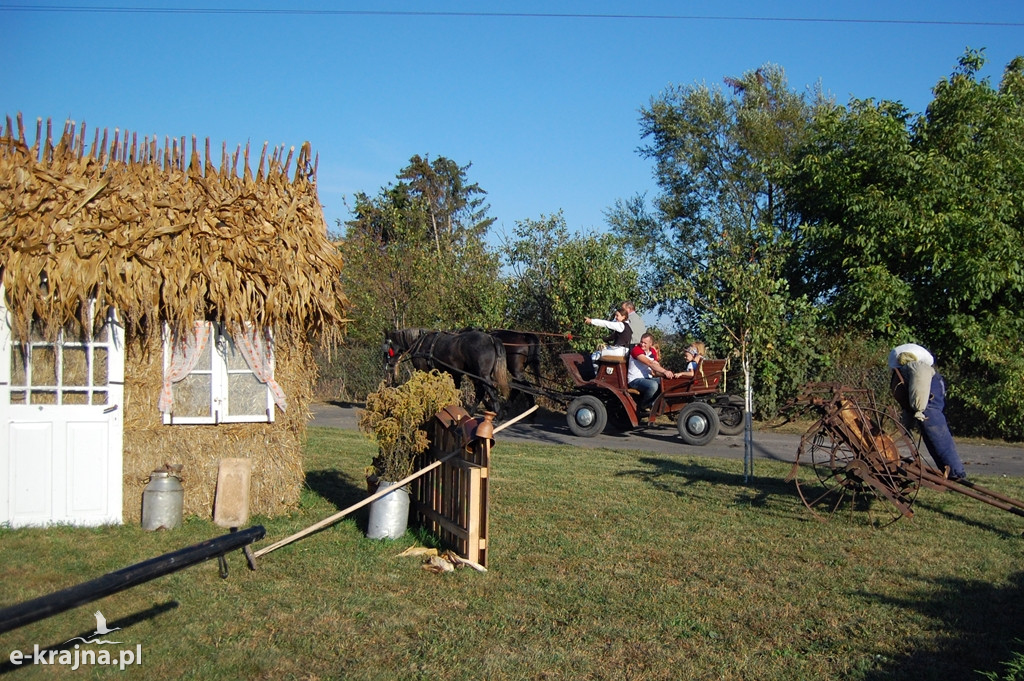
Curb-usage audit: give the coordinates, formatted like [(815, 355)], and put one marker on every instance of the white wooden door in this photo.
[(61, 409)]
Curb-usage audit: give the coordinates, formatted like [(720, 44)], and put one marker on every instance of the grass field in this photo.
[(604, 564)]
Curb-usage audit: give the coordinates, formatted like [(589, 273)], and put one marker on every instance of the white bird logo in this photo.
[(101, 624)]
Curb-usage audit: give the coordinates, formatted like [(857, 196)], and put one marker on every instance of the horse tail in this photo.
[(533, 357), (500, 371)]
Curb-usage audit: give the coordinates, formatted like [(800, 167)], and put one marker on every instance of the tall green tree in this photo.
[(915, 228), (416, 253), (721, 234), (556, 279)]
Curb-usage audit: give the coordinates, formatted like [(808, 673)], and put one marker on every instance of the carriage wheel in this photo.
[(587, 416), (877, 469), (730, 415), (697, 424)]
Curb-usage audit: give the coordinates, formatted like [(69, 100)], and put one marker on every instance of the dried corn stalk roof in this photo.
[(162, 236)]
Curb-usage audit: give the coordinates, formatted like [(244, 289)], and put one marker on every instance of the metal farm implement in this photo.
[(858, 452)]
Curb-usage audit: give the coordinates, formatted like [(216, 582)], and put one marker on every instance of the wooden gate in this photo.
[(451, 501)]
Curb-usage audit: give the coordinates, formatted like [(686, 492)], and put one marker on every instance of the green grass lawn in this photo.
[(604, 564)]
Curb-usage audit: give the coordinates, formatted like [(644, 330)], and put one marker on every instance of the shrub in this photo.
[(394, 417)]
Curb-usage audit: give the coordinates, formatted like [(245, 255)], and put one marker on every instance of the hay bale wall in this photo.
[(275, 449)]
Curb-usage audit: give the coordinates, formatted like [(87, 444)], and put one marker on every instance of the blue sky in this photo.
[(544, 107)]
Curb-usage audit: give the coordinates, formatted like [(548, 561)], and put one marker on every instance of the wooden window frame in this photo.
[(219, 373)]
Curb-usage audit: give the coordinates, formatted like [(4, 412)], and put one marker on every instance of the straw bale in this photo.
[(274, 449), (163, 241)]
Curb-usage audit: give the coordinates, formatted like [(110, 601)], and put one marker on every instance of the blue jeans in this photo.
[(648, 388), (935, 431)]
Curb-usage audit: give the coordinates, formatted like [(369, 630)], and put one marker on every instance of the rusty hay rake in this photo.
[(859, 452)]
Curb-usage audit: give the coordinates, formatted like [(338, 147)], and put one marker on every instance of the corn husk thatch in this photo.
[(161, 236)]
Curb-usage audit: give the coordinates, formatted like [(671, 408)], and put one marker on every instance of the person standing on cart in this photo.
[(635, 321)]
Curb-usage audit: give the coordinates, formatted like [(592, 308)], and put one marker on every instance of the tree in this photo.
[(915, 228), (722, 233), (452, 210), (556, 279), (416, 255)]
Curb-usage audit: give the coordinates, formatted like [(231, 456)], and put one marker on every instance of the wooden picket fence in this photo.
[(451, 501)]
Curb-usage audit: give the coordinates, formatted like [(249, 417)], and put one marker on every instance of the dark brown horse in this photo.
[(522, 353), (469, 353)]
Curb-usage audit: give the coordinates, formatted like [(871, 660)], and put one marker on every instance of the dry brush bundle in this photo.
[(162, 237), (394, 419)]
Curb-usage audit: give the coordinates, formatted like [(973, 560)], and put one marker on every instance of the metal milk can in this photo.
[(162, 501)]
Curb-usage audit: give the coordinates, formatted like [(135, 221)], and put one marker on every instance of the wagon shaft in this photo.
[(937, 480)]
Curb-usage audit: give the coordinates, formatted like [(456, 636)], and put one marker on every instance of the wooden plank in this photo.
[(231, 500), (473, 517)]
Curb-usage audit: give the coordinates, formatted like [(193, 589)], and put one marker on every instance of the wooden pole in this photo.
[(503, 426), (373, 497), (341, 514)]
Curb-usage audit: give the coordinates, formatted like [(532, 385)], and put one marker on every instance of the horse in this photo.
[(522, 352), (469, 353)]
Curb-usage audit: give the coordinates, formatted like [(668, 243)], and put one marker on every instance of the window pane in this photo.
[(246, 395), (44, 397), (74, 367), (17, 365), (74, 397), (203, 364), (233, 358), (17, 397), (44, 366), (99, 366), (99, 397), (192, 396)]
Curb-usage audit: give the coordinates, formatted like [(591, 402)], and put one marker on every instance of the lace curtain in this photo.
[(185, 354), (257, 350)]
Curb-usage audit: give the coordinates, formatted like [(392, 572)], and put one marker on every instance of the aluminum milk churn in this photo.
[(162, 500)]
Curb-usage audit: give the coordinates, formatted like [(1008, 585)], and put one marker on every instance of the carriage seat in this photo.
[(612, 359)]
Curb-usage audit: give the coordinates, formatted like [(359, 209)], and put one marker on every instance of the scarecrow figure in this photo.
[(920, 391)]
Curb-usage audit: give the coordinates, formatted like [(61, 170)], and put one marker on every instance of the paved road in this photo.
[(551, 428)]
